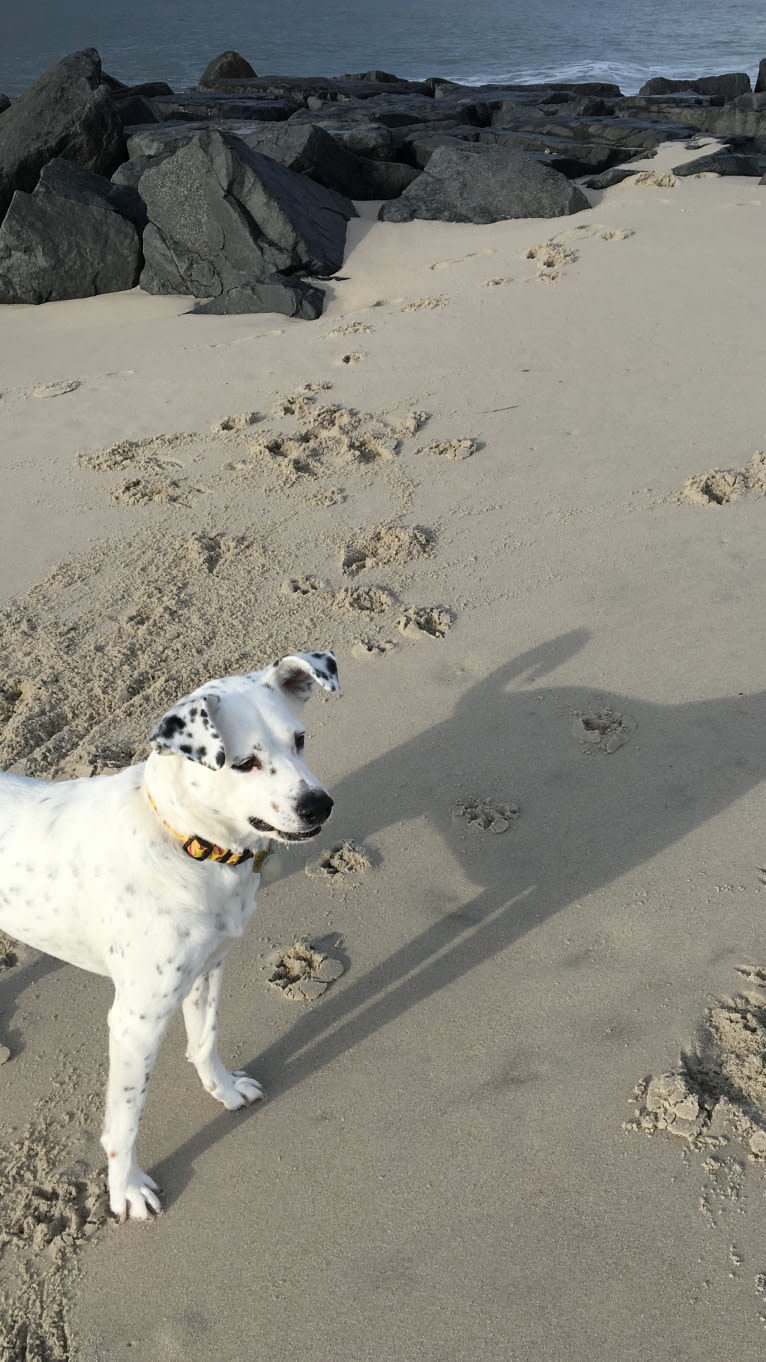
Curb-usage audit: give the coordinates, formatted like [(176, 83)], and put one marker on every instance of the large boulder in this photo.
[(726, 87), (67, 112), (760, 84), (76, 235), (5, 103), (223, 218), (226, 66), (484, 184), (312, 151)]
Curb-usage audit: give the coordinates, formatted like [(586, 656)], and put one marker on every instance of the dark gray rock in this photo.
[(72, 182), (327, 88), (572, 158), (226, 66), (484, 184), (726, 87), (71, 238), (695, 112), (379, 77), (137, 109), (610, 178), (760, 83), (5, 103), (197, 106), (735, 162), (223, 218), (128, 175), (67, 112), (756, 101), (312, 151), (289, 298)]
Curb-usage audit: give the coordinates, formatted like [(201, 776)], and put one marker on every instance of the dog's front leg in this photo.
[(134, 1040), (200, 1010)]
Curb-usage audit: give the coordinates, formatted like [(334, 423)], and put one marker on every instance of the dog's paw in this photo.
[(136, 1198), (238, 1090)]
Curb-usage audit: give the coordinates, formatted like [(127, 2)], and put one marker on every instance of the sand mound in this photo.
[(387, 544), (721, 485), (718, 1093)]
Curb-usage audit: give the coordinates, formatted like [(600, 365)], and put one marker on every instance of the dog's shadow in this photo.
[(580, 830)]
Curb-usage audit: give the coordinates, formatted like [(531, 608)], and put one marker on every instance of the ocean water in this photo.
[(470, 40)]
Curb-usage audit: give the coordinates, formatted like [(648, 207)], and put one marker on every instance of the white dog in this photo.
[(147, 876)]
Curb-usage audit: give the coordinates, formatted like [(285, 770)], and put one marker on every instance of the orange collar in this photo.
[(200, 849)]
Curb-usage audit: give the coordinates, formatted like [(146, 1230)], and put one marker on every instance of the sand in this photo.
[(514, 477)]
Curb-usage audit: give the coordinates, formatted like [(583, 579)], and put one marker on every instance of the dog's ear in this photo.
[(188, 730), (298, 675)]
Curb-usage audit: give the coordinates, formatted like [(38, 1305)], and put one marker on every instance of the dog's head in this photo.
[(241, 741)]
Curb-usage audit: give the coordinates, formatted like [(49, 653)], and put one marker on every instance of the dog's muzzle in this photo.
[(313, 808)]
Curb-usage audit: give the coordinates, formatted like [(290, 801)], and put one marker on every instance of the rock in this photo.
[(379, 77), (609, 178), (484, 184), (196, 106), (5, 103), (322, 88), (296, 299), (223, 218), (128, 175), (226, 66), (571, 158), (76, 235), (65, 113), (760, 83), (699, 114), (723, 162), (727, 86), (312, 151)]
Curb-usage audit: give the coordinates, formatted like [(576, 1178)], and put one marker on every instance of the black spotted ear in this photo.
[(188, 730), (298, 674)]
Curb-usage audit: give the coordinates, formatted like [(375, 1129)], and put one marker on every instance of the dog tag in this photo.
[(271, 867)]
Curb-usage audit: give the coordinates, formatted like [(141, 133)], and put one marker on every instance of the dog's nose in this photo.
[(314, 806)]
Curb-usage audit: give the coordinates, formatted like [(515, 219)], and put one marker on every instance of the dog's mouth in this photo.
[(303, 836)]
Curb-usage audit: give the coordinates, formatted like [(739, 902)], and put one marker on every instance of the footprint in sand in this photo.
[(451, 449), (302, 586), (497, 281), (487, 815), (602, 730), (240, 422), (57, 389), (303, 972), (369, 600), (424, 304), (371, 647), (349, 358), (339, 861), (432, 621), (349, 329), (551, 258), (458, 259)]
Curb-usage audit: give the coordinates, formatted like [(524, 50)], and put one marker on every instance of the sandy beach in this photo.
[(481, 479)]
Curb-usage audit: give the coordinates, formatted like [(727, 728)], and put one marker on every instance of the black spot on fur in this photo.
[(332, 666), (185, 747), (220, 757), (170, 726), (201, 752)]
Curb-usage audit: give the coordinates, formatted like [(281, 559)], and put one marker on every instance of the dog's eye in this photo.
[(247, 764), (300, 741)]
